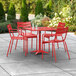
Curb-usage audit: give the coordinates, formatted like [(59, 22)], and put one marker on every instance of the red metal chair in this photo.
[(13, 37), (60, 24), (29, 35), (60, 32)]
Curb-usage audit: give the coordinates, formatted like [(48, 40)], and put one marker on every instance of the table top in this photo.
[(41, 29)]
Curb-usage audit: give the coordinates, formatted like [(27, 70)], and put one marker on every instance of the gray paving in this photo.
[(17, 64)]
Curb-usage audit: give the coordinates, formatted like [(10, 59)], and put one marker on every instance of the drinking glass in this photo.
[(36, 26), (32, 25)]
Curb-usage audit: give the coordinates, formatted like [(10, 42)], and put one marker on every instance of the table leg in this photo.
[(39, 40), (39, 51)]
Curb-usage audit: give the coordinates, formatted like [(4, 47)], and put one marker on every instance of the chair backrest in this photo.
[(62, 31), (60, 24), (10, 30), (23, 24), (9, 27)]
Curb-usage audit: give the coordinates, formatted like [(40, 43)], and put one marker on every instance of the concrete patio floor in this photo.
[(17, 64)]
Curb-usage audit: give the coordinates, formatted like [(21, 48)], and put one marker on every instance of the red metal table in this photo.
[(39, 29)]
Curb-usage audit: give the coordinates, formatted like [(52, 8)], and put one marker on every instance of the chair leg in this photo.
[(16, 44), (58, 45), (44, 44), (64, 46), (67, 51), (36, 43), (49, 45), (11, 46), (26, 47), (23, 45), (31, 43), (54, 51), (42, 49), (42, 52), (8, 48)]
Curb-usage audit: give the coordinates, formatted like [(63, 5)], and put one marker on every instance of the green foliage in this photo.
[(66, 11), (5, 4), (55, 5), (50, 4), (39, 8), (24, 11), (31, 5), (11, 12), (73, 11), (59, 4), (2, 13), (49, 11), (3, 26), (17, 4), (72, 28), (44, 2)]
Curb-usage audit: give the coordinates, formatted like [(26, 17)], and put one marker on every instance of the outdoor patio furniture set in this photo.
[(60, 32)]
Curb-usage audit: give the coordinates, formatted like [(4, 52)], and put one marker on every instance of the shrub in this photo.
[(49, 11), (2, 13), (39, 8), (54, 22), (3, 26), (11, 12), (66, 11), (67, 20), (72, 28), (24, 11), (73, 11)]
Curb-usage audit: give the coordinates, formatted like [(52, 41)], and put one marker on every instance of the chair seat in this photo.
[(17, 38), (51, 41), (56, 40), (48, 35), (30, 35)]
